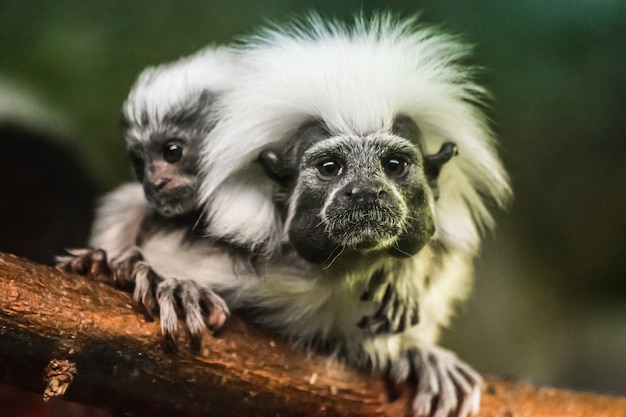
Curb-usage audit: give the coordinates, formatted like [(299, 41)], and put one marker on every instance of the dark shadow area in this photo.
[(47, 196)]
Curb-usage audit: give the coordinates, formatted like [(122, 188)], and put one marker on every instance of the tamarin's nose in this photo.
[(157, 182), (364, 192), (161, 183)]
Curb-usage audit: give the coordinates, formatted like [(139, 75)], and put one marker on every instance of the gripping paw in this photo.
[(167, 298), (88, 262), (171, 298), (443, 385), (93, 264), (393, 315)]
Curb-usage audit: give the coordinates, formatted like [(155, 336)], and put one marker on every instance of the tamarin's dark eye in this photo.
[(172, 152), (395, 167), (329, 169)]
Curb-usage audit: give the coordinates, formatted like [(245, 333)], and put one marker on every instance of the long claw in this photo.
[(146, 282), (165, 295), (217, 310)]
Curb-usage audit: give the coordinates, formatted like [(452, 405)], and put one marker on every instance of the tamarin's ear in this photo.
[(405, 127), (282, 166), (278, 167), (434, 163)]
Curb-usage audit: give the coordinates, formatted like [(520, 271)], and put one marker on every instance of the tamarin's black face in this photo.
[(163, 147), (362, 193), (168, 169)]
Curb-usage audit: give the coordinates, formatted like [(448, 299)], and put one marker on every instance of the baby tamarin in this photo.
[(166, 116)]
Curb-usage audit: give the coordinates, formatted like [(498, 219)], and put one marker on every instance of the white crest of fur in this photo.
[(166, 87), (356, 79)]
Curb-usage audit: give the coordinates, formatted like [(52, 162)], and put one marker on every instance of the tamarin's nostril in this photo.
[(161, 183)]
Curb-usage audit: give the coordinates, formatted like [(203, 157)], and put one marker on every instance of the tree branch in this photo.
[(85, 337)]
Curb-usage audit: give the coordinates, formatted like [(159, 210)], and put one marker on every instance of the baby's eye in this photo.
[(172, 152)]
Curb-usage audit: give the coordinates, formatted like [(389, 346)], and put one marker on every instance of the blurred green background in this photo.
[(550, 297)]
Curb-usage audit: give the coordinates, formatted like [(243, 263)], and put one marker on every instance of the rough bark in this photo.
[(62, 332)]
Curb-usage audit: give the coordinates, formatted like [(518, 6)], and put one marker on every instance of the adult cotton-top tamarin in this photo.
[(373, 220)]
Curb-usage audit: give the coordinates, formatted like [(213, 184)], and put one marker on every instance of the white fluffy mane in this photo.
[(356, 78), (162, 88)]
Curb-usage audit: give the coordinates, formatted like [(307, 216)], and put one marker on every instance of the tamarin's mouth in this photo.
[(178, 201), (365, 229)]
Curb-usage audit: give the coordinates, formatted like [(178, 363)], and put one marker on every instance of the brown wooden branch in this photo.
[(86, 337)]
